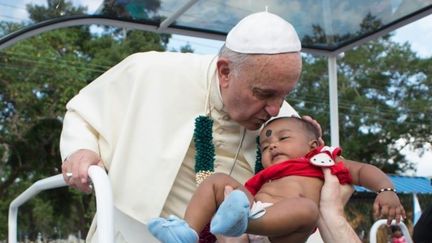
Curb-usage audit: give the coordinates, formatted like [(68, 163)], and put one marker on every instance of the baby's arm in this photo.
[(387, 203)]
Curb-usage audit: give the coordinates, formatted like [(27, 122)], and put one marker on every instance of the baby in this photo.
[(282, 200)]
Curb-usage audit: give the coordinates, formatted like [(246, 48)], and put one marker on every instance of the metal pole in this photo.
[(176, 15), (104, 202), (375, 227), (333, 99)]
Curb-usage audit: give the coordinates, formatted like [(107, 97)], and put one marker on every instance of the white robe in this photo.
[(139, 117)]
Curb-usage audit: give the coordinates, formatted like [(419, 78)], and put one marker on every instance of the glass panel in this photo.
[(15, 14), (141, 10), (322, 24)]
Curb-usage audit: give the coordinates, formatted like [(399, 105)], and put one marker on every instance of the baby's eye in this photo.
[(264, 148), (283, 138)]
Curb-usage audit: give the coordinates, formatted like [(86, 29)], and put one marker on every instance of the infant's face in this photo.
[(281, 140)]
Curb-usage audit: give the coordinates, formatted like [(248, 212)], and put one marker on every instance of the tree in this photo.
[(35, 87), (37, 78), (55, 9), (186, 48), (384, 96)]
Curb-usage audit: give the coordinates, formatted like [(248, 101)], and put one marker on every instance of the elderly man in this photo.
[(160, 122)]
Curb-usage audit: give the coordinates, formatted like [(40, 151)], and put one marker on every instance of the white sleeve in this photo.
[(76, 134), (94, 113)]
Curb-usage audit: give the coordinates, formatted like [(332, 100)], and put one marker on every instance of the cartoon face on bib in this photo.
[(322, 160)]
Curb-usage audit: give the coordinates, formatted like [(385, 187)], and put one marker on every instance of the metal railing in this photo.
[(374, 230), (104, 202)]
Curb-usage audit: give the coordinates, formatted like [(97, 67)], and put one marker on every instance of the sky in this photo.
[(410, 33), (418, 34)]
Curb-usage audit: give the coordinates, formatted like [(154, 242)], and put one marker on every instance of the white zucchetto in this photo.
[(263, 33)]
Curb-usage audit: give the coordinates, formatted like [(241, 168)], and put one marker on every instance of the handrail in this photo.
[(378, 223), (104, 202)]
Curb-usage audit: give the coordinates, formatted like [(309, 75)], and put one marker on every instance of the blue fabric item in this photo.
[(172, 230), (231, 219)]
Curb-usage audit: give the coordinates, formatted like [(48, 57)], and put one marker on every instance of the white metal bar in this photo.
[(41, 185), (104, 202), (102, 21), (374, 230), (416, 208), (176, 14), (333, 100), (42, 28)]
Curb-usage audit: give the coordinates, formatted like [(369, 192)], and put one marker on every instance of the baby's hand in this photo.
[(387, 205)]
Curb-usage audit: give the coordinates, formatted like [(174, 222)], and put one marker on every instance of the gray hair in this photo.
[(236, 59)]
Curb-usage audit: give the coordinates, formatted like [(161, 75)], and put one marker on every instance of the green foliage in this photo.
[(186, 48), (105, 51), (384, 100), (37, 78), (56, 8)]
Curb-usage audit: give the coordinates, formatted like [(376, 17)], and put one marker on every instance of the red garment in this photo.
[(399, 240), (205, 236), (299, 167)]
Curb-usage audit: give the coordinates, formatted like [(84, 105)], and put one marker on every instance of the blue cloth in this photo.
[(231, 219), (172, 230)]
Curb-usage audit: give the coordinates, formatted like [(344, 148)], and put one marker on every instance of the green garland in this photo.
[(205, 151), (258, 164)]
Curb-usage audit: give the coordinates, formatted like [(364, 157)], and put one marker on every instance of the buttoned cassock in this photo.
[(139, 117)]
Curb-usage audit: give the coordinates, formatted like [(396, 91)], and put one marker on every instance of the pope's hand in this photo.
[(334, 195), (75, 168), (332, 223)]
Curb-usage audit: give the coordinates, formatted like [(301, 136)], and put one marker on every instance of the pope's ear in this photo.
[(223, 71)]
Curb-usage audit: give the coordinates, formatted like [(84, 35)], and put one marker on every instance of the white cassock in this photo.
[(139, 117)]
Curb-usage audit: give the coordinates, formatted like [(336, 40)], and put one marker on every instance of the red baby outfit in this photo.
[(300, 167)]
